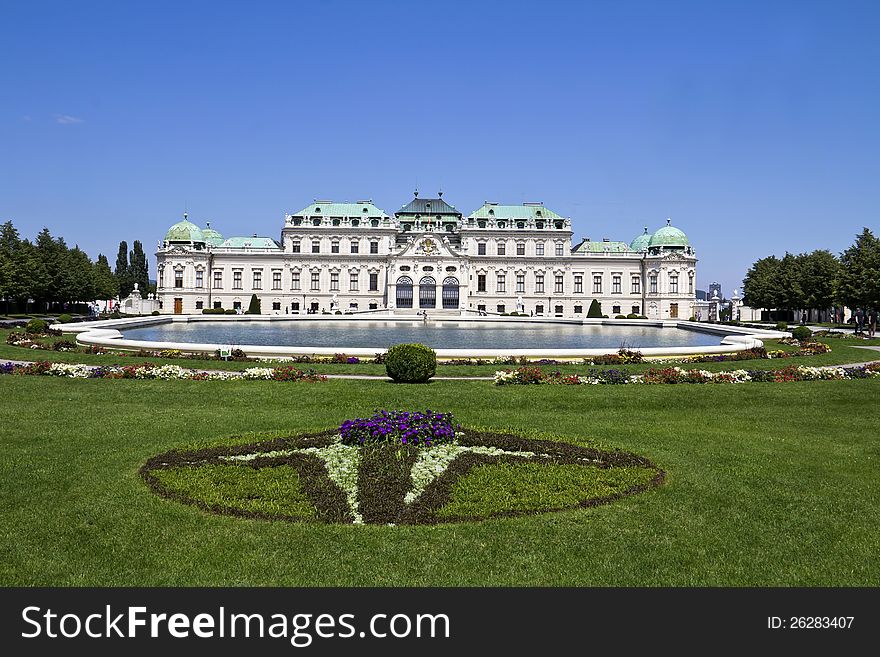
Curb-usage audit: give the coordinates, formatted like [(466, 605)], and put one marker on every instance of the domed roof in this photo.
[(212, 236), (640, 243), (669, 236), (184, 231)]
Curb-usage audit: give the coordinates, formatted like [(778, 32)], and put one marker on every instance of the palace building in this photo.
[(354, 258)]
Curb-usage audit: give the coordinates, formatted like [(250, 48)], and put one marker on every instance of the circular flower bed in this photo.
[(474, 476)]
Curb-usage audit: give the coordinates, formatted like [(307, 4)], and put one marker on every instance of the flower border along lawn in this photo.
[(766, 485)]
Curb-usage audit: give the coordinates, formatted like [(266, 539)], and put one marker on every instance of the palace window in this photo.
[(500, 308), (200, 305), (373, 305), (615, 284), (560, 249), (258, 280), (217, 304), (539, 248), (481, 282), (520, 282), (539, 283), (353, 280), (295, 247), (294, 280), (374, 282), (374, 222), (276, 305), (316, 246), (161, 281), (200, 278), (374, 247), (501, 282), (673, 284), (481, 248), (652, 282), (218, 280), (334, 280), (558, 287), (294, 306), (316, 222), (597, 284), (690, 283), (276, 280), (316, 280), (334, 247), (502, 248), (636, 309), (539, 309), (520, 249), (354, 246), (178, 278), (236, 305), (636, 285), (578, 284), (615, 310), (557, 309), (578, 310), (236, 280)]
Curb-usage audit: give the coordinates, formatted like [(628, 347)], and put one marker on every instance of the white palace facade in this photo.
[(355, 258)]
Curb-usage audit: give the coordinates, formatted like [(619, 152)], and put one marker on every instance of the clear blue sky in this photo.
[(754, 125)]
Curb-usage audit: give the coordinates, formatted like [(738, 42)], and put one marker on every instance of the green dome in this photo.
[(669, 236), (184, 231), (212, 236), (640, 243)]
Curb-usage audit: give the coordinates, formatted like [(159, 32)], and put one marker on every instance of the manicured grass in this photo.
[(496, 488), (843, 352), (767, 484)]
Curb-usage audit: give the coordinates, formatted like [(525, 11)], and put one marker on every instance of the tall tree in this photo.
[(80, 281), (106, 285), (789, 293), (860, 272), (761, 283), (819, 277), (138, 268), (122, 273)]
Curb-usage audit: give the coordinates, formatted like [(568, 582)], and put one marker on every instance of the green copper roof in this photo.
[(669, 235), (184, 231), (212, 236), (641, 242), (331, 209), (497, 211), (601, 247), (251, 243)]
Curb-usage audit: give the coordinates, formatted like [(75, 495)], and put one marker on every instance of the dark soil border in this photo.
[(384, 476)]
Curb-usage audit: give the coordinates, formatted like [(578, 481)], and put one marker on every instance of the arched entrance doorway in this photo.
[(450, 292), (427, 293), (404, 292)]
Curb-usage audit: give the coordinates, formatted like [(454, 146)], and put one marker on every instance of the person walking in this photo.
[(860, 320), (872, 322)]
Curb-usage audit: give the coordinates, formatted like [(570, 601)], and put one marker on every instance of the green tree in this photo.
[(789, 292), (138, 268), (122, 273), (254, 307), (80, 282), (106, 285), (819, 278), (761, 283), (595, 309), (860, 272)]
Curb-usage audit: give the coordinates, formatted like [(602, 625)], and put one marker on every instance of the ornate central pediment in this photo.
[(428, 246)]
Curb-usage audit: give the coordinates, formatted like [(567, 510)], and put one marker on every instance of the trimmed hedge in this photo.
[(595, 309), (36, 326), (410, 363), (801, 333)]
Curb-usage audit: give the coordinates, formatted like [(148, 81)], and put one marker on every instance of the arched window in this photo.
[(427, 292), (404, 292), (450, 292)]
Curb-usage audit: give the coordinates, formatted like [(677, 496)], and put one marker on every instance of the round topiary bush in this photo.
[(64, 319), (781, 326), (801, 333), (36, 326), (410, 363)]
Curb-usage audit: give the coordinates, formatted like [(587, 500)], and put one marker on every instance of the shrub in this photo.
[(64, 345), (230, 311), (254, 307), (692, 318), (620, 317), (410, 363), (801, 333), (595, 309), (781, 326), (64, 319), (155, 312), (36, 326)]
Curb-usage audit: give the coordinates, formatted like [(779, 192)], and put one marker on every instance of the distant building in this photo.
[(354, 257)]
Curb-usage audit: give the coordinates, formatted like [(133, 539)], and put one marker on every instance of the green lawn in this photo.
[(768, 484), (842, 353)]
